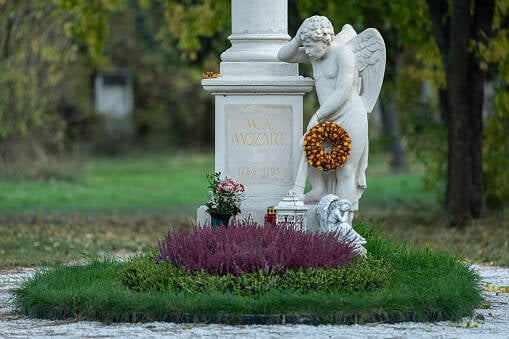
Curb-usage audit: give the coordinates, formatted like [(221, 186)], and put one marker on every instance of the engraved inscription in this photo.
[(258, 141)]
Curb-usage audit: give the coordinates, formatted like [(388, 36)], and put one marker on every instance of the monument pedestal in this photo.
[(258, 130), (258, 107), (311, 220)]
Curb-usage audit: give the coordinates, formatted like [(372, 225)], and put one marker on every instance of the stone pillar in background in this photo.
[(258, 107)]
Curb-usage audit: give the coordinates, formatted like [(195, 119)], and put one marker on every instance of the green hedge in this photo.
[(143, 273)]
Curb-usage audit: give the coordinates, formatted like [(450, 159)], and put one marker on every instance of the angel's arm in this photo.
[(345, 61), (292, 51), (339, 216)]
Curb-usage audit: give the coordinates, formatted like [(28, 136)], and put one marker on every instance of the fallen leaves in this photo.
[(498, 289), (469, 324), (32, 239), (210, 75)]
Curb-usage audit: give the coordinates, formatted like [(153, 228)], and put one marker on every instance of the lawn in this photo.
[(125, 185), (164, 184)]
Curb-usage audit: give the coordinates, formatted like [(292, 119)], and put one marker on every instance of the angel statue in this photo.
[(348, 70), (332, 214)]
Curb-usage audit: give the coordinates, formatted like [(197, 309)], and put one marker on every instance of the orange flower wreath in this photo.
[(327, 146)]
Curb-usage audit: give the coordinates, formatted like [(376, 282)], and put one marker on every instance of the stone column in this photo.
[(258, 107)]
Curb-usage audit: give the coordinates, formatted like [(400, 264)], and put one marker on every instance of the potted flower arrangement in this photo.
[(225, 197)]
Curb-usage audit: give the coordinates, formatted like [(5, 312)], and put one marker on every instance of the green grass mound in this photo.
[(394, 284)]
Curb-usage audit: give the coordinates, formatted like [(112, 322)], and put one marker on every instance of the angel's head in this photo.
[(344, 205), (316, 36), (341, 205), (317, 28)]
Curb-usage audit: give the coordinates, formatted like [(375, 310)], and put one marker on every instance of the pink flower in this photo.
[(226, 194)]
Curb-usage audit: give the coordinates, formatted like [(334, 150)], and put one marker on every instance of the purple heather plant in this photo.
[(246, 247)]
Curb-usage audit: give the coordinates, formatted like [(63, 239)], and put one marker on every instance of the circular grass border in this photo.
[(425, 286)]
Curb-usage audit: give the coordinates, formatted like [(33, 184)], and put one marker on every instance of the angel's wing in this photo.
[(347, 33), (322, 211), (369, 50)]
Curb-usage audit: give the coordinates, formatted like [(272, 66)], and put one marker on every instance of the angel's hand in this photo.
[(297, 37)]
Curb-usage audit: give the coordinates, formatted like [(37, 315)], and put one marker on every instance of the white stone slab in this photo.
[(257, 138), (258, 143)]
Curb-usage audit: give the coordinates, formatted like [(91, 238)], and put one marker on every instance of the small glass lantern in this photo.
[(291, 212)]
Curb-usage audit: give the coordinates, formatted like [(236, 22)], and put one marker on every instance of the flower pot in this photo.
[(219, 219)]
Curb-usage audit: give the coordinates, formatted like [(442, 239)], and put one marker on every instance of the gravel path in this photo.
[(491, 322)]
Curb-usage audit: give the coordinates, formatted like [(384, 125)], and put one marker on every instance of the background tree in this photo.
[(459, 28), (495, 58), (171, 44), (40, 96)]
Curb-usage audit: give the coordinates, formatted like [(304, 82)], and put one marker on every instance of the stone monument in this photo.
[(258, 107), (348, 70)]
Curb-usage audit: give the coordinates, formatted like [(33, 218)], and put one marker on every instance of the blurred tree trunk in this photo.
[(391, 131), (390, 113), (388, 107), (455, 29)]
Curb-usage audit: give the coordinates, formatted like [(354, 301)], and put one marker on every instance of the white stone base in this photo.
[(252, 213), (311, 219), (257, 215)]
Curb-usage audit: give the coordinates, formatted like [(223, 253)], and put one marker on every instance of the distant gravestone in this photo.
[(113, 96), (258, 107)]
